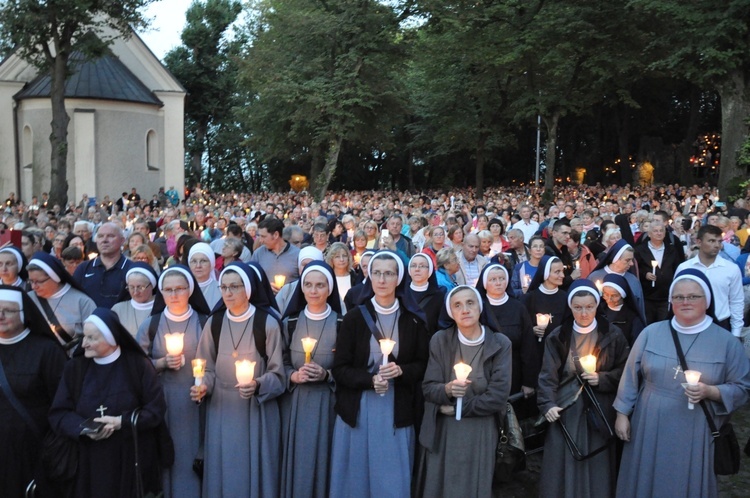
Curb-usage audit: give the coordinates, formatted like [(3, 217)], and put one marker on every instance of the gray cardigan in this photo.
[(496, 358)]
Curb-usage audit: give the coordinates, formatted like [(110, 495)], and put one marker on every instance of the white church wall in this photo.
[(7, 137)]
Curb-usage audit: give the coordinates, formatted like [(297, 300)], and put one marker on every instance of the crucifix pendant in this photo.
[(101, 410), (677, 371), (235, 354)]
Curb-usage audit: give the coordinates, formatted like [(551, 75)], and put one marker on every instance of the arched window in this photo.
[(152, 151), (27, 148)]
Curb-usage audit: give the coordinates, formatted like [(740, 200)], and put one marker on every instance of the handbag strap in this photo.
[(683, 364), (370, 323), (134, 426), (16, 404), (52, 319)]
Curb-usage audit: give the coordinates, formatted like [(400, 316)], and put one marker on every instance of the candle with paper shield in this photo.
[(692, 377), (542, 320), (199, 370), (245, 371), (308, 345), (462, 373), (386, 347), (655, 264), (588, 363), (175, 343), (279, 280)]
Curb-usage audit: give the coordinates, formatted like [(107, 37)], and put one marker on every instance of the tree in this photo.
[(45, 33), (322, 73), (206, 66)]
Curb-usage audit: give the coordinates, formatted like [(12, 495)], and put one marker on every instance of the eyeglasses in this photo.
[(174, 290), (687, 299), (583, 309), (419, 267), (199, 262), (137, 288), (8, 312), (388, 275), (35, 283), (231, 288)]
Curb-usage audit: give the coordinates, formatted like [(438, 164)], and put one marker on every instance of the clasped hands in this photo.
[(385, 373), (111, 424), (309, 372)]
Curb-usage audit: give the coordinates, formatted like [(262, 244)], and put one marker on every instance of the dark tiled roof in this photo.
[(104, 78)]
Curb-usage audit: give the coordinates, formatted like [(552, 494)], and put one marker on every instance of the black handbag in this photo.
[(726, 446), (510, 454), (59, 457)]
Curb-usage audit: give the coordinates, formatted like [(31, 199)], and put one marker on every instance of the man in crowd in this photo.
[(470, 261), (103, 278), (403, 243), (528, 226), (276, 256), (557, 245)]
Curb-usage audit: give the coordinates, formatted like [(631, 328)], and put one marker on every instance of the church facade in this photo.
[(126, 125)]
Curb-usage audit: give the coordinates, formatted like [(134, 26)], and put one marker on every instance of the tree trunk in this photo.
[(623, 143), (479, 172), (685, 148), (196, 155), (59, 137), (551, 123), (735, 111), (326, 176)]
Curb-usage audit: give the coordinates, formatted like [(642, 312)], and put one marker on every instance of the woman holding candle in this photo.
[(141, 287), (373, 439), (311, 324), (13, 267), (202, 262), (620, 308), (620, 260), (178, 314), (243, 427), (459, 455), (106, 385), (580, 335), (524, 272), (667, 446), (425, 290), (512, 320)]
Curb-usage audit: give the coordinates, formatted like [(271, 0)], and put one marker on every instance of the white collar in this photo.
[(612, 272), (18, 283), (616, 308), (208, 282), (584, 330), (110, 358), (498, 302), (244, 316), (545, 290), (657, 249), (179, 318), (142, 306), (693, 329), (13, 340), (419, 288), (318, 316), (385, 311), (469, 342), (61, 292)]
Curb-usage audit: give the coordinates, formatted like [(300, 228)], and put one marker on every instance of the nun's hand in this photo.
[(198, 392), (539, 331), (247, 390), (173, 362), (553, 414), (622, 427), (592, 378), (390, 371), (528, 391), (380, 384), (457, 388), (299, 377)]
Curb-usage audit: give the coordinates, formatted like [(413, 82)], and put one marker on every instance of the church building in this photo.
[(126, 125)]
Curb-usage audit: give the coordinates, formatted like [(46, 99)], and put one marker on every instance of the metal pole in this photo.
[(538, 146)]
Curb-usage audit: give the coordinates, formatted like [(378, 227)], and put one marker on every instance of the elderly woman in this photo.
[(485, 243), (141, 286), (512, 320), (373, 438), (59, 297), (307, 410), (582, 334), (525, 271), (425, 290), (484, 393), (620, 308), (620, 260), (102, 419), (31, 364), (667, 446), (73, 240), (243, 428), (447, 267), (231, 251), (13, 267), (340, 259), (202, 261)]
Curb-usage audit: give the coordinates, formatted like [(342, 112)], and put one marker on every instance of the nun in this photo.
[(425, 290), (620, 260), (202, 263), (141, 289), (13, 267), (620, 308), (59, 297), (306, 255)]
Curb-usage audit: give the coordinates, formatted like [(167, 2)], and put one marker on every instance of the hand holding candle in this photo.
[(279, 280), (542, 321), (588, 363), (245, 371), (692, 377), (308, 346), (654, 264), (175, 344), (462, 373), (199, 370), (386, 347)]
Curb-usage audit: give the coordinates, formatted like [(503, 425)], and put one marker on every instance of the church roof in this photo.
[(105, 78)]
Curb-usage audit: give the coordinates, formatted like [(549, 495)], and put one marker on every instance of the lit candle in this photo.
[(462, 373), (308, 344), (386, 347), (357, 258), (654, 263), (93, 255), (279, 280), (599, 285), (245, 370), (578, 265), (588, 363), (199, 370), (542, 320), (527, 278), (175, 343), (692, 377)]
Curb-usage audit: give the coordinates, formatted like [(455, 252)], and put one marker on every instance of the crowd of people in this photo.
[(370, 343)]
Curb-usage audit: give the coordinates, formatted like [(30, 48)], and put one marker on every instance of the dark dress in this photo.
[(106, 468), (627, 321), (556, 305), (33, 367), (432, 302)]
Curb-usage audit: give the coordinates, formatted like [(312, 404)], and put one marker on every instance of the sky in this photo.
[(167, 20)]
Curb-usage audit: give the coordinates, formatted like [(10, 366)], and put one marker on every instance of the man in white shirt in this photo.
[(470, 261), (528, 226), (725, 278)]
